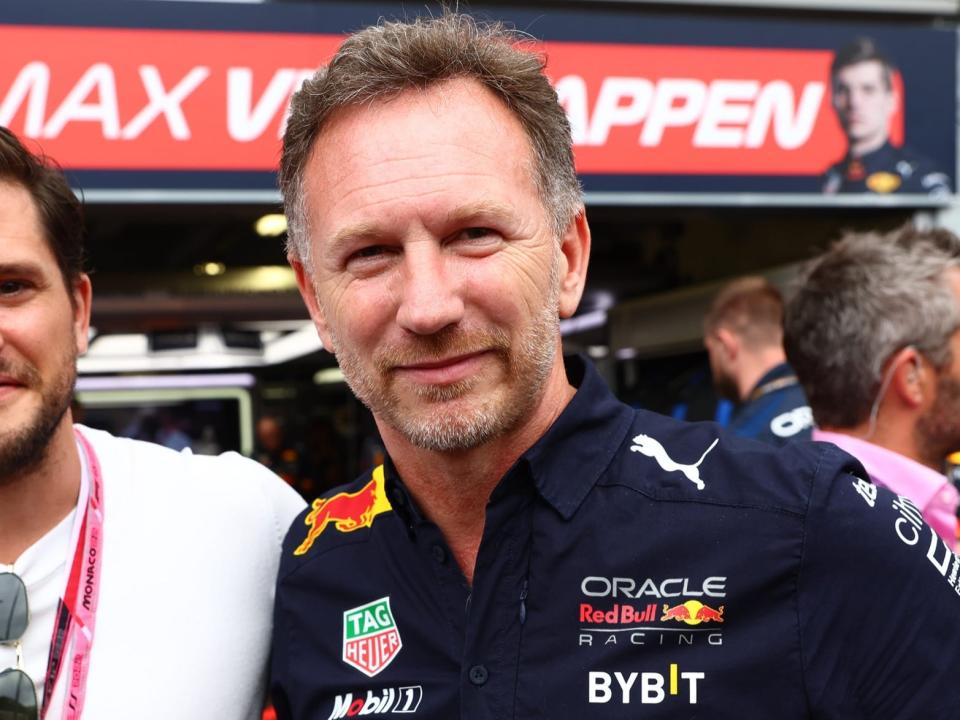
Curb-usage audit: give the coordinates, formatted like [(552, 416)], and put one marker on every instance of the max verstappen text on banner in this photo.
[(675, 116)]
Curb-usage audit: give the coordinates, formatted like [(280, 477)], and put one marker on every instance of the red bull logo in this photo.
[(692, 612), (346, 511)]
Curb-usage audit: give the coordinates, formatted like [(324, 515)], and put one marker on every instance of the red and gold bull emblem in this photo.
[(347, 511), (855, 170), (692, 612), (883, 182)]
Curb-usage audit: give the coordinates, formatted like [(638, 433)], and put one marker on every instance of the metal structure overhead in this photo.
[(931, 7)]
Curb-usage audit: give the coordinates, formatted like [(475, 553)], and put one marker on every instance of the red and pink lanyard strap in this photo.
[(77, 609)]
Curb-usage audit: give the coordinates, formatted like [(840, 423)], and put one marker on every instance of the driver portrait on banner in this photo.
[(865, 99)]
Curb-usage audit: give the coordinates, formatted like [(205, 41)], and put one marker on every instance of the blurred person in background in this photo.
[(874, 335), (324, 455), (525, 522), (125, 567), (743, 334), (275, 451), (865, 101)]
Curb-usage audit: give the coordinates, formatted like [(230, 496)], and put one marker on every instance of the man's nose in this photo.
[(431, 292)]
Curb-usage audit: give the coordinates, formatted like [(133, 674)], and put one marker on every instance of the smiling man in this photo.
[(533, 548), (104, 540), (451, 342)]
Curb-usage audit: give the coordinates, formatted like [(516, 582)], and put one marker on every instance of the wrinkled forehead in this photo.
[(393, 133), (21, 229)]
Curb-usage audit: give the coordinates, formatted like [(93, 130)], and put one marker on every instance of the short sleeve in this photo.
[(281, 501)]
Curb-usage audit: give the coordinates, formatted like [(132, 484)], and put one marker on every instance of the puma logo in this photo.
[(651, 448)]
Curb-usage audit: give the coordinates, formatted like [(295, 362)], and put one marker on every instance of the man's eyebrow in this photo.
[(369, 232), (20, 268), (362, 232), (479, 210)]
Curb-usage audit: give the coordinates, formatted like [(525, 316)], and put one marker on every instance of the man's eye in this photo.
[(371, 251), (476, 241), (475, 233), (479, 237), (11, 287), (369, 260)]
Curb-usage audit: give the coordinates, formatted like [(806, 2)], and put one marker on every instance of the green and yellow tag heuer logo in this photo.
[(370, 637)]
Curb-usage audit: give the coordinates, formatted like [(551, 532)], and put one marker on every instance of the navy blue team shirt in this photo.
[(886, 170), (776, 410), (630, 566)]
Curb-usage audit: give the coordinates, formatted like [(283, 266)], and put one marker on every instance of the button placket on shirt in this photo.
[(493, 615)]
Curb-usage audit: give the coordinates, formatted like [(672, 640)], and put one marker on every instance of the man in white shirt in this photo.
[(127, 571)]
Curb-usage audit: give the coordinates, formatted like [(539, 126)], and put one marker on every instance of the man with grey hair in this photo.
[(874, 335), (743, 335), (532, 547)]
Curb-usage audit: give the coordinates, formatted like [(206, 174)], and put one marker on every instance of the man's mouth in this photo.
[(450, 369)]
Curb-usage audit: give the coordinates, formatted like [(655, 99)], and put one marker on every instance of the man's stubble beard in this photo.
[(23, 449), (725, 387), (938, 432), (442, 424)]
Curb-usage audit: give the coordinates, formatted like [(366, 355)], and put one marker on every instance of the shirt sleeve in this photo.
[(281, 503), (878, 602), (941, 513)]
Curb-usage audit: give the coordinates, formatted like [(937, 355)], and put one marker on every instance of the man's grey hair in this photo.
[(855, 306), (380, 62)]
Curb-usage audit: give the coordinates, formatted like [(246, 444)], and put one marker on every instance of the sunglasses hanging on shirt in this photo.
[(18, 695)]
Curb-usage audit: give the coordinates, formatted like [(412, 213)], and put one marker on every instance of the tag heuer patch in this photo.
[(370, 637)]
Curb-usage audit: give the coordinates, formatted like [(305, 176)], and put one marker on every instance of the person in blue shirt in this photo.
[(532, 547), (743, 335)]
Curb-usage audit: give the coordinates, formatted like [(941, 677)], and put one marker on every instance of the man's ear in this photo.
[(909, 379), (574, 258), (729, 341), (82, 296), (309, 294)]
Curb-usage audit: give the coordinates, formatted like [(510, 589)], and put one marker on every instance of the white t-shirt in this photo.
[(43, 569), (190, 551)]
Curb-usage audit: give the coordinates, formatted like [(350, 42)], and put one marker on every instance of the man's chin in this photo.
[(24, 450), (858, 136), (28, 426), (450, 424)]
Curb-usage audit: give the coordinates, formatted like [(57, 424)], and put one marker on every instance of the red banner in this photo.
[(125, 99), (694, 110), (154, 99)]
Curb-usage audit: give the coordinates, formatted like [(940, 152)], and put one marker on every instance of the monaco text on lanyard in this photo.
[(77, 610)]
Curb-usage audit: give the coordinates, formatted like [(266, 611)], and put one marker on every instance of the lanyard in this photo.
[(777, 384), (77, 609)]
